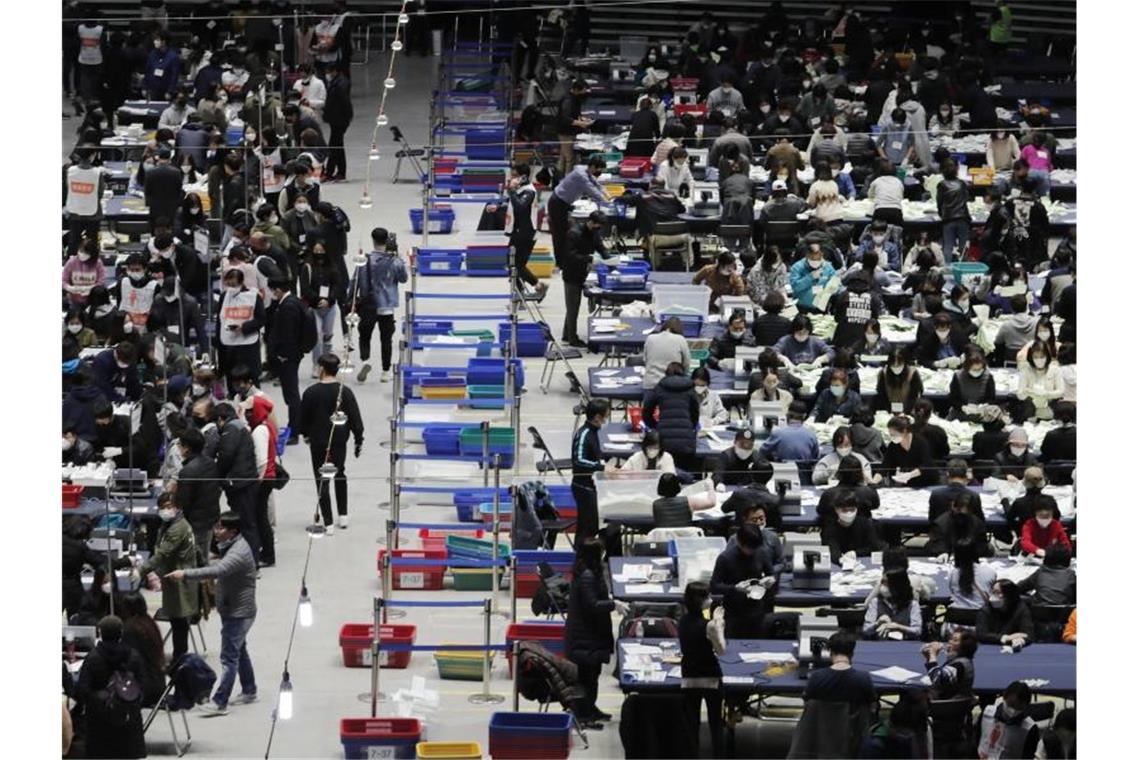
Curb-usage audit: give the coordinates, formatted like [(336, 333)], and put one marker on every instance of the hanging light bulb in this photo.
[(346, 368), (305, 609), (285, 699), (366, 201), (382, 120), (389, 83), (397, 46), (352, 320), (359, 259), (402, 18), (316, 529), (374, 152), (337, 418), (328, 469)]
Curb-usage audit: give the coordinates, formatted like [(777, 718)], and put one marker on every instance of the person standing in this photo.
[(328, 441), (237, 469), (175, 549), (702, 641), (589, 635), (162, 69), (163, 188), (236, 597), (322, 288), (114, 726), (90, 60), (199, 488), (284, 345), (570, 121), (338, 115), (521, 194), (586, 458), (952, 197), (240, 318), (83, 192), (378, 298), (581, 244), (582, 181), (264, 434)]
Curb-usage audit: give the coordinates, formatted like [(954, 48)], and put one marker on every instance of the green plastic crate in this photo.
[(461, 666), (484, 336), (486, 391), (464, 547), (496, 436), (471, 579)]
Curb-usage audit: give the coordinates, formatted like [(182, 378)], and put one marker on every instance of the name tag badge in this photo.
[(158, 72), (815, 121), (174, 329), (896, 408), (324, 291), (301, 238), (121, 390), (211, 24), (1043, 154), (896, 145), (278, 47), (816, 290)]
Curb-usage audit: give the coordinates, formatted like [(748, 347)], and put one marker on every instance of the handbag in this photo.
[(281, 476)]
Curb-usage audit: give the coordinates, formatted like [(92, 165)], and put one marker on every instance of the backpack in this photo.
[(308, 328), (117, 703), (193, 681)]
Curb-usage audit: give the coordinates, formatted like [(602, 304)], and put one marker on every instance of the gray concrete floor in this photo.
[(342, 577)]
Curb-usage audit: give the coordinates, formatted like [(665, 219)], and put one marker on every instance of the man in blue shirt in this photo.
[(793, 441), (582, 181)]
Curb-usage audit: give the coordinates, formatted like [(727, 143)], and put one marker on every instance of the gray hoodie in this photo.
[(917, 116), (1016, 331)]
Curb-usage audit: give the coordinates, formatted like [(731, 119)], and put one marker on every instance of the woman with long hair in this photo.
[(589, 632)]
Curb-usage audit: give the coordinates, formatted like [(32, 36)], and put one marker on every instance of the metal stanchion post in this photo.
[(485, 427), (375, 695), (515, 676), (386, 585), (394, 508), (485, 697), (496, 575), (514, 564)]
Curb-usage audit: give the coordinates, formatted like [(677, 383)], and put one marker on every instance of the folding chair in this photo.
[(847, 618), (550, 579), (162, 705), (783, 235), (951, 727), (1049, 621), (134, 229), (548, 462), (684, 248), (737, 238)]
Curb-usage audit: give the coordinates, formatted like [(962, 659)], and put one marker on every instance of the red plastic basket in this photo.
[(380, 737), (684, 84), (71, 495), (550, 635), (356, 645), (698, 110), (429, 534), (424, 577)]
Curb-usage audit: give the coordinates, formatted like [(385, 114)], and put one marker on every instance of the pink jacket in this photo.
[(1037, 158)]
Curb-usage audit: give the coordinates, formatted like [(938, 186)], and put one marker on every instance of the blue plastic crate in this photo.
[(466, 502), (440, 220), (691, 324), (530, 726), (483, 258), (439, 262), (631, 276), (489, 371), (423, 327), (413, 376), (485, 144), (531, 339), (442, 440)]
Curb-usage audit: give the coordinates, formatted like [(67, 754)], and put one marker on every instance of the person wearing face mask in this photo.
[(268, 224), (702, 641), (679, 415), (958, 525), (944, 123), (808, 277), (1002, 150), (174, 115), (1039, 384), (1005, 618), (765, 386), (848, 533), (871, 342), (175, 549), (907, 457), (837, 400), (783, 119), (723, 348), (162, 69), (876, 239), (736, 466), (726, 98), (893, 613), (801, 347), (815, 106), (721, 277), (675, 171), (577, 183), (896, 141), (76, 451), (240, 318), (311, 88), (1012, 461), (898, 385), (115, 374), (831, 466), (943, 346), (135, 294), (712, 409), (650, 456), (747, 604), (1043, 531), (83, 271)]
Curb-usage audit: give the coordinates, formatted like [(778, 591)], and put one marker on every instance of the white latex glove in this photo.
[(744, 585), (848, 557), (942, 558), (621, 607), (720, 488), (718, 614), (940, 363), (954, 362)]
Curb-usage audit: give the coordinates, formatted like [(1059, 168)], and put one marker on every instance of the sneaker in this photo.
[(363, 374), (213, 710), (386, 376), (244, 699), (592, 725), (342, 521), (577, 343)]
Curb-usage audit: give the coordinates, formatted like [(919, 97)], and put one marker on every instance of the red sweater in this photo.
[(1034, 537)]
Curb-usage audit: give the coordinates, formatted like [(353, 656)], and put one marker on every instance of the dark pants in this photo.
[(714, 701), (955, 238), (588, 673), (243, 500), (264, 528), (573, 294), (523, 244), (586, 499), (387, 325), (336, 166), (889, 215), (290, 389), (90, 78), (558, 219), (79, 227), (70, 64), (179, 636), (340, 482)]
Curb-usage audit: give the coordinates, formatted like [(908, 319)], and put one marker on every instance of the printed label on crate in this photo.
[(366, 658), (438, 265), (435, 225), (411, 580), (381, 753)]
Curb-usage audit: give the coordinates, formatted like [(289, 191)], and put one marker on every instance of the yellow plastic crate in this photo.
[(445, 392), (460, 666), (449, 750), (543, 268), (615, 190)]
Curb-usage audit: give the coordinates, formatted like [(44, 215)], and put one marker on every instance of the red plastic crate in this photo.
[(634, 413), (434, 544), (699, 110), (424, 577), (550, 635), (635, 167), (684, 84), (71, 495), (380, 737), (429, 534), (356, 645)]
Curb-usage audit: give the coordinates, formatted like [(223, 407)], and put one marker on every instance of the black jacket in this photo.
[(992, 625), (769, 328), (860, 537), (77, 413), (732, 567), (986, 444), (338, 102), (106, 740), (589, 633), (198, 492), (581, 244), (866, 499), (724, 348), (948, 529), (698, 660), (942, 498), (853, 309), (237, 465), (731, 470), (1025, 507), (918, 456), (1060, 444), (644, 132), (75, 555), (318, 403), (930, 346), (191, 141), (313, 278), (284, 340), (181, 323), (106, 376), (1053, 585), (749, 496), (951, 199), (163, 188), (679, 413), (1007, 464), (936, 439), (569, 110)]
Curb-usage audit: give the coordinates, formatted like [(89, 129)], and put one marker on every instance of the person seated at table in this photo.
[(905, 733), (1056, 582), (765, 386), (1015, 332), (679, 413), (744, 578), (807, 274), (723, 347), (671, 509), (840, 682), (853, 478), (1024, 507), (823, 196), (935, 435), (943, 346), (702, 642), (1039, 384), (768, 328), (954, 677), (1005, 729), (712, 408), (731, 137), (781, 206), (969, 578), (674, 133), (877, 240), (735, 466), (674, 171), (1047, 336), (957, 484), (1069, 635), (907, 458), (865, 438), (893, 612), (841, 447), (848, 533), (871, 342), (801, 347), (899, 384), (837, 400), (971, 385), (721, 277), (959, 524), (1005, 617), (959, 308), (1060, 443), (792, 442), (650, 456), (1012, 460), (927, 297), (858, 304), (988, 442), (1043, 531), (844, 359)]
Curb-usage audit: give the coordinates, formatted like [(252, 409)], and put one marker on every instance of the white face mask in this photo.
[(106, 588), (878, 239), (942, 335), (197, 389), (652, 453), (997, 601), (783, 117), (843, 451), (158, 44), (232, 290), (737, 334), (167, 515), (186, 168), (838, 390), (815, 263), (846, 516), (74, 328), (1040, 361), (701, 390), (1001, 135), (136, 276), (1044, 521), (67, 443), (977, 371), (1016, 450), (898, 368), (84, 256), (742, 453), (896, 438), (801, 337), (871, 338), (302, 208), (726, 272)]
